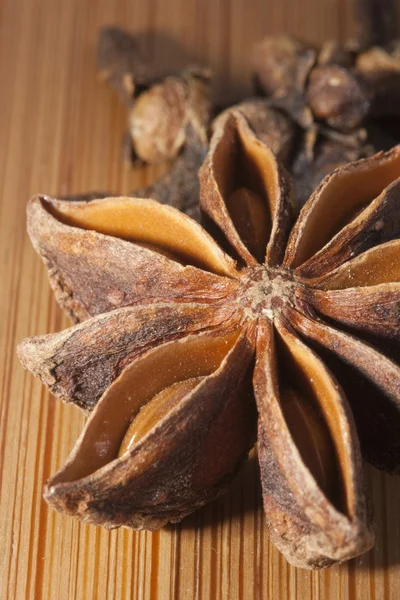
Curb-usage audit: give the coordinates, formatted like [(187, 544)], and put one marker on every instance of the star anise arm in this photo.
[(271, 126), (80, 363), (311, 468), (180, 187), (363, 293), (113, 252), (380, 264), (373, 382), (353, 210), (195, 425), (373, 310), (246, 192)]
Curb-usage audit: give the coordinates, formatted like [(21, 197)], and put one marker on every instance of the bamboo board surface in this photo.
[(60, 132)]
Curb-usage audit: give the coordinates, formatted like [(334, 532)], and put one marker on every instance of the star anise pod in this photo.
[(270, 125), (184, 344)]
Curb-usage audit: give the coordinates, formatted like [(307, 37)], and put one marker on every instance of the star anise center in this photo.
[(265, 291)]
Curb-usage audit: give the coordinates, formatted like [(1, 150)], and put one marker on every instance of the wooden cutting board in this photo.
[(60, 132)]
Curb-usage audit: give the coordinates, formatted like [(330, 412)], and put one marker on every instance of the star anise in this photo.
[(181, 337)]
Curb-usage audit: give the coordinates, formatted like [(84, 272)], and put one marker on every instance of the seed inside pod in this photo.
[(248, 212), (148, 389), (312, 438), (313, 420), (246, 185), (157, 408)]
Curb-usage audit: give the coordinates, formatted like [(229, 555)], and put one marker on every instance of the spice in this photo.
[(271, 125), (180, 186), (160, 115), (298, 322), (168, 117), (161, 106), (338, 94), (334, 85)]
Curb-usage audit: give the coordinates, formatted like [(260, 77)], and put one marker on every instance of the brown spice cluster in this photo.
[(322, 107), (187, 353), (338, 94)]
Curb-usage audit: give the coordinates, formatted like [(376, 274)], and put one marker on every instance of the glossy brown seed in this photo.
[(271, 125), (155, 410), (248, 212)]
